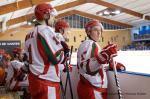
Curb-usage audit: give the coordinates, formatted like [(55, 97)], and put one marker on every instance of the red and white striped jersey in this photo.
[(45, 53), (11, 79), (89, 67)]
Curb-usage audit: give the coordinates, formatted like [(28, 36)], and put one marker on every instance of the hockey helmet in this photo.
[(61, 24), (7, 56), (17, 50), (91, 24), (42, 9)]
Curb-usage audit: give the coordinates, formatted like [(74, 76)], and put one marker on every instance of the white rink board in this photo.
[(135, 61), (133, 86)]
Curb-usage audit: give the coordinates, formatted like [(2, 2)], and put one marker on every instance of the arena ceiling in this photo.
[(133, 12)]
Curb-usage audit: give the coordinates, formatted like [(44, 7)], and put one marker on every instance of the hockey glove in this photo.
[(66, 48), (109, 51), (119, 66)]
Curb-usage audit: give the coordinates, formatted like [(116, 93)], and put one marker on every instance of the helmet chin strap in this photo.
[(102, 38), (46, 18), (46, 21), (63, 31), (90, 38)]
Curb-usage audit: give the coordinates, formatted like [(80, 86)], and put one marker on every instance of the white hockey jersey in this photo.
[(89, 67), (60, 37), (45, 53), (11, 81)]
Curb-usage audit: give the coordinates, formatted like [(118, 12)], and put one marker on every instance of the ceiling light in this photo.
[(113, 12), (29, 23), (34, 20), (117, 11), (106, 12)]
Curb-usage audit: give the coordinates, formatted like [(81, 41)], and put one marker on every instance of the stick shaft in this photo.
[(117, 80), (68, 75)]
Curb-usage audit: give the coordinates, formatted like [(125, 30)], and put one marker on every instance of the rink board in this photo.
[(133, 85)]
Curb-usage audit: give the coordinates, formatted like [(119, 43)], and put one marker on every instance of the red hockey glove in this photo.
[(110, 51), (119, 66)]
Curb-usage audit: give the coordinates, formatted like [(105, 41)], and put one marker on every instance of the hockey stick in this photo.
[(62, 89), (68, 75), (116, 78)]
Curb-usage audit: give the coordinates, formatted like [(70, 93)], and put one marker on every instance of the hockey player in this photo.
[(15, 79), (91, 60), (61, 29), (5, 61), (45, 54)]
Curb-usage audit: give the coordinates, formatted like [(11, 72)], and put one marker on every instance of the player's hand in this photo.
[(110, 50)]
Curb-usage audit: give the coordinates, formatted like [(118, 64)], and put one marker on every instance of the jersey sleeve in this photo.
[(100, 57), (95, 61), (26, 45), (17, 65), (49, 46), (92, 65)]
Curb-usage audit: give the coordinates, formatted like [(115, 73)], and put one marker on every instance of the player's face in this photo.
[(20, 56), (66, 34), (96, 32), (51, 20)]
